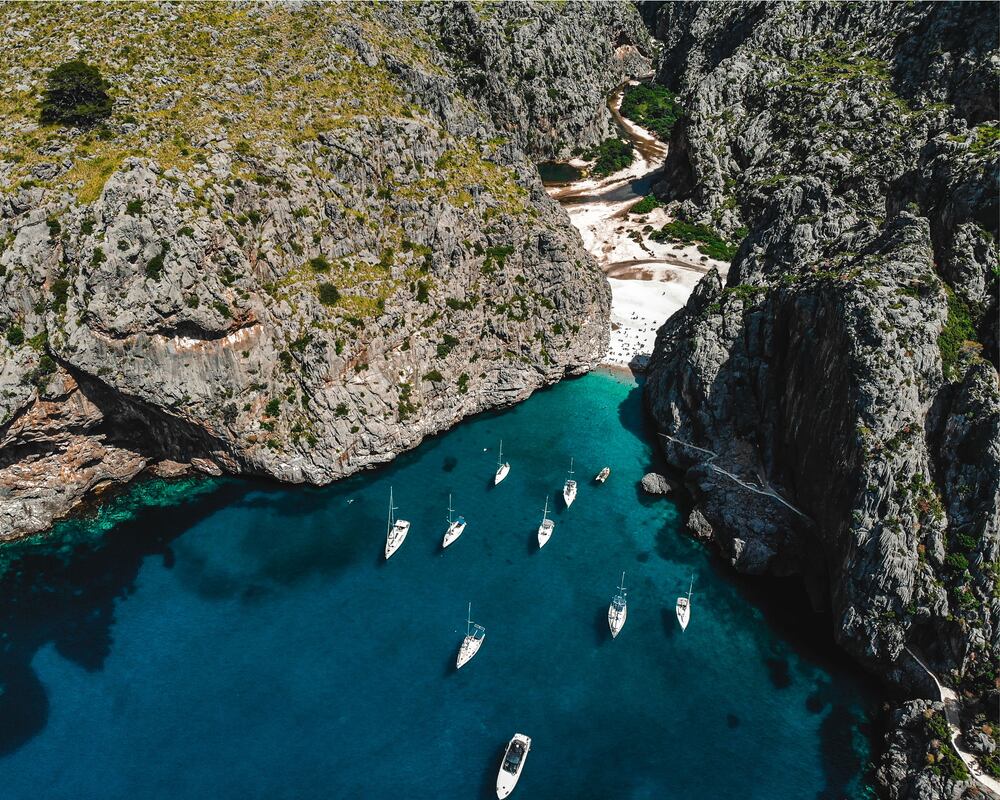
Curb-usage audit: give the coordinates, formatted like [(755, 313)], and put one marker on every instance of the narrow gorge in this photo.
[(291, 259)]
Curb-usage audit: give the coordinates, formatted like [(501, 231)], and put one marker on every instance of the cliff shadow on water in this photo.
[(62, 591)]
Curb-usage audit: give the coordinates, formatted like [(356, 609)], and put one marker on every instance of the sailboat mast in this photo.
[(388, 526), (690, 587), (468, 622), (449, 508), (571, 465), (500, 457)]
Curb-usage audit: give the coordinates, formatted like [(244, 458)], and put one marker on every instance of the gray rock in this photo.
[(181, 310), (860, 435), (654, 483)]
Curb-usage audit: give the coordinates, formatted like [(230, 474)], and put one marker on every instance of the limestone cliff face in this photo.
[(306, 239), (849, 364)]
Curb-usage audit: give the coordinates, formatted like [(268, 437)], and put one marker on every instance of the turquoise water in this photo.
[(244, 640)]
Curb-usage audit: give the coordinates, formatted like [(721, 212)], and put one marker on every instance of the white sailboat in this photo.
[(618, 610), (512, 764), (603, 475), (396, 530), (547, 526), (569, 488), (455, 529), (684, 607), (474, 635), (502, 467)]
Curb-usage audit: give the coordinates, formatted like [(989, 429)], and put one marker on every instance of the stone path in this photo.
[(952, 705)]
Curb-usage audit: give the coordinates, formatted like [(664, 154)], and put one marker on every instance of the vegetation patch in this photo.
[(328, 294), (654, 107), (15, 336), (610, 156), (644, 206), (75, 94), (941, 756), (957, 331), (154, 267), (708, 241)]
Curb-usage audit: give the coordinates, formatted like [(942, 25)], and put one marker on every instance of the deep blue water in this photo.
[(233, 639)]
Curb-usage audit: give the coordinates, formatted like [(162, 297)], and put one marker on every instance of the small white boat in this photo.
[(474, 635), (396, 530), (618, 610), (684, 607), (502, 467), (547, 526), (603, 475), (569, 488), (513, 762), (455, 529)]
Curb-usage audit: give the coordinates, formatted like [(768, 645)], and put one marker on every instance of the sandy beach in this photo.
[(649, 280)]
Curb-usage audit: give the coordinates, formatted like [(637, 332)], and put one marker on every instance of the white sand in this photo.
[(649, 280)]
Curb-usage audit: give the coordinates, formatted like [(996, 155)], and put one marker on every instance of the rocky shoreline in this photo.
[(247, 298), (833, 405)]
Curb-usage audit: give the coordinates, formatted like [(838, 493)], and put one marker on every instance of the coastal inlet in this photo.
[(250, 640)]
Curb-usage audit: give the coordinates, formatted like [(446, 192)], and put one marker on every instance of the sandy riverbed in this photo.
[(649, 280)]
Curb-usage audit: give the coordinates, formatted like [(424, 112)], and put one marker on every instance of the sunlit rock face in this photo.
[(307, 237)]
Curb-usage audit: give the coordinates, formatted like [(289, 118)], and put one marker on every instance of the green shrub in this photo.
[(328, 294), (610, 156), (446, 346), (154, 267), (341, 410), (463, 383), (87, 227), (644, 206), (15, 336), (423, 292), (991, 764), (54, 227), (319, 264), (709, 242), (957, 330), (957, 562), (75, 94), (652, 106), (273, 407), (60, 293), (223, 309), (133, 208), (433, 376)]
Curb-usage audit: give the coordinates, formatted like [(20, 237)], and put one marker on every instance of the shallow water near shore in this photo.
[(247, 640)]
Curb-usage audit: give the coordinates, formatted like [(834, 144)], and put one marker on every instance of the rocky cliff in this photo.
[(307, 237), (842, 384)]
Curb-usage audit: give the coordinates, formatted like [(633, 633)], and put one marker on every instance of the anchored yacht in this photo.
[(569, 488), (603, 475), (513, 762), (396, 530), (502, 467), (547, 526), (455, 529), (684, 607), (474, 635), (618, 610)]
